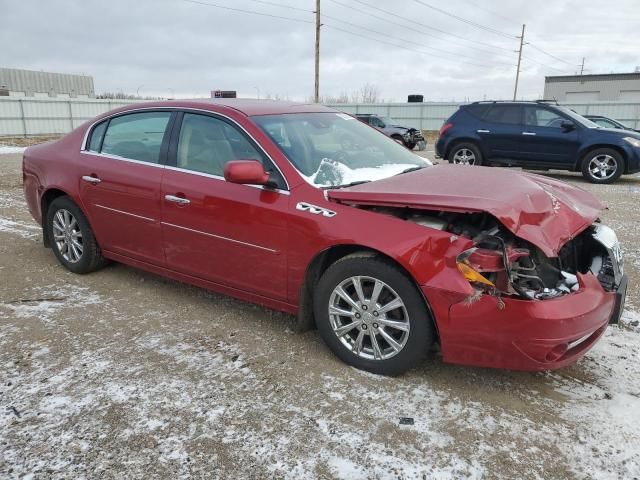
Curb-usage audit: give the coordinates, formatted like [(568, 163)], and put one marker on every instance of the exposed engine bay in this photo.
[(500, 263)]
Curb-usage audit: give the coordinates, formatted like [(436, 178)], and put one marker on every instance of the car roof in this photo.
[(249, 107)]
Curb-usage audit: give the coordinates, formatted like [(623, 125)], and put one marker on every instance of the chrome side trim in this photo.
[(83, 145), (218, 177), (125, 213), (220, 237), (122, 159), (308, 207)]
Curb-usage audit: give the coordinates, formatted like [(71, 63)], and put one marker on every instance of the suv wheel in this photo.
[(465, 154), (603, 165), (372, 316)]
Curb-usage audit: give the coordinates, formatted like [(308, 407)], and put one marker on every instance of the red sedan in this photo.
[(306, 210)]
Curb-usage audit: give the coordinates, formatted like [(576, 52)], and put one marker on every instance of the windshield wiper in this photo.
[(412, 169), (346, 185)]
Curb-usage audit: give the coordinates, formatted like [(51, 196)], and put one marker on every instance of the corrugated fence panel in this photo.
[(50, 115)]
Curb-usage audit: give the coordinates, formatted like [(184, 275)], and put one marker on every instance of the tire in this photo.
[(604, 165), (72, 240), (398, 139), (412, 341), (410, 145), (465, 153)]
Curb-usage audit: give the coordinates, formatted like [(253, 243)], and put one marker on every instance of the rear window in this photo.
[(137, 136), (504, 114), (478, 109), (96, 137)]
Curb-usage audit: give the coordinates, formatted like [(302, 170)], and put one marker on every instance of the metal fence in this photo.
[(30, 117), (33, 116)]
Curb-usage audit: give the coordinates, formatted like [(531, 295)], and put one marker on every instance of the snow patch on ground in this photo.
[(22, 229), (46, 302), (5, 149)]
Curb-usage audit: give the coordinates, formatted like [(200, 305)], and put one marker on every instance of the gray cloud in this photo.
[(164, 46)]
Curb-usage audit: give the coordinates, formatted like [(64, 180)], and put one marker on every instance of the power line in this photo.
[(444, 32), (464, 20), (377, 32), (492, 12), (288, 7), (422, 32), (404, 47), (550, 55), (250, 12)]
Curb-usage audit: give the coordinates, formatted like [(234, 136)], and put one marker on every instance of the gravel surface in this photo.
[(123, 374)]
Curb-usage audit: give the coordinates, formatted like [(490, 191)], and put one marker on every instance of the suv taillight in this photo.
[(444, 128)]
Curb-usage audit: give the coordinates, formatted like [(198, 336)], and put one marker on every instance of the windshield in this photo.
[(333, 149), (578, 118)]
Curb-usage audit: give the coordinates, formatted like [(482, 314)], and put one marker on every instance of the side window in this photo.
[(504, 114), (604, 123), (96, 137), (478, 109), (137, 136), (206, 144), (542, 117)]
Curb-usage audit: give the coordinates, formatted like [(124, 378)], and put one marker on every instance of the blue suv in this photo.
[(540, 136)]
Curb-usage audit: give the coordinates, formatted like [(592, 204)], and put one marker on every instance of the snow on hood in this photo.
[(543, 211)]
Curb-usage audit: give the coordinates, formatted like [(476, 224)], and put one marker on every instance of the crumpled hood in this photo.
[(538, 209)]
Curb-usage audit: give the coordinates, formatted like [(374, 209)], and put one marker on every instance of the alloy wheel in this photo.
[(369, 318), (67, 236), (602, 167), (464, 156)]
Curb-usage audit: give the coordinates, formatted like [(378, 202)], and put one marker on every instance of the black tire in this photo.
[(90, 258), (602, 155), (414, 312), (410, 145), (459, 148), (398, 139)]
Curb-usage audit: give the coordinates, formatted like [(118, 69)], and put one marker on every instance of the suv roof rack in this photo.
[(553, 101)]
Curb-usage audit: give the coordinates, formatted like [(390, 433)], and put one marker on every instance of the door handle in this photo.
[(483, 131), (531, 134), (180, 200), (91, 179)]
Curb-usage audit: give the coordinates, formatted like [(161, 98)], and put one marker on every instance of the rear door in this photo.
[(231, 234), (501, 132), (544, 141), (120, 183)]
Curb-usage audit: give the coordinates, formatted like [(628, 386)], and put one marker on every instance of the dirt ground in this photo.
[(123, 374)]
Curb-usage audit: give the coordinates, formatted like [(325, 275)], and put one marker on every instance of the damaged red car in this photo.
[(306, 210)]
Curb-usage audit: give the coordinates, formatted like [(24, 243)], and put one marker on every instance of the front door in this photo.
[(544, 141), (231, 234), (120, 184)]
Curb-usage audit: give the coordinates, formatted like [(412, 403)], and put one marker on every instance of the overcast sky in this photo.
[(179, 48)]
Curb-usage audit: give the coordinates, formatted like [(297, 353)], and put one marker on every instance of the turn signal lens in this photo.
[(472, 276)]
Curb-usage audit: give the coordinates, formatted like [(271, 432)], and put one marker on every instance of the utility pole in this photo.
[(582, 67), (316, 95), (515, 90)]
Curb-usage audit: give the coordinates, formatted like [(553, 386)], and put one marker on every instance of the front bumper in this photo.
[(527, 335)]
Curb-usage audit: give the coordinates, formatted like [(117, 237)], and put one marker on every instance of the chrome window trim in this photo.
[(232, 240), (83, 146), (125, 213), (218, 177)]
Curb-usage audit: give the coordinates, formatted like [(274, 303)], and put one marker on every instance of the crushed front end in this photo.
[(525, 310)]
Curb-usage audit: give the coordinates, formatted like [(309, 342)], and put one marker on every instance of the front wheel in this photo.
[(465, 154), (603, 165), (71, 237), (372, 316)]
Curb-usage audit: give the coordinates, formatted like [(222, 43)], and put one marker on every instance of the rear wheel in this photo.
[(372, 316), (72, 240), (465, 154), (603, 165)]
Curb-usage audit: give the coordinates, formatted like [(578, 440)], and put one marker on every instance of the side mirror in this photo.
[(246, 172), (567, 125)]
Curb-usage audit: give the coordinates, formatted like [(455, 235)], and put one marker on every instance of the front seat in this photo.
[(206, 148)]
